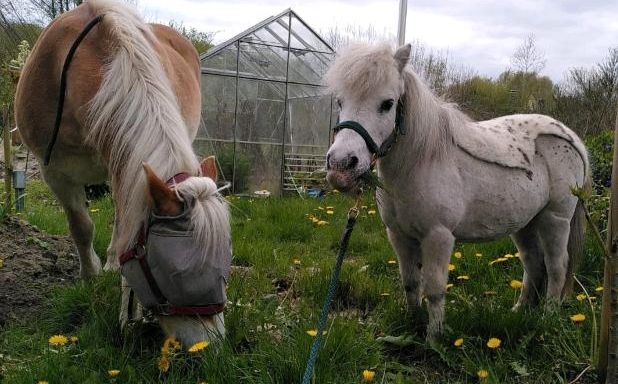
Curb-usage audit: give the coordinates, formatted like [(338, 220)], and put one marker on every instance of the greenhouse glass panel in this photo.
[(308, 67), (309, 117), (258, 167), (218, 105), (305, 38), (260, 114), (275, 33), (223, 61), (262, 61)]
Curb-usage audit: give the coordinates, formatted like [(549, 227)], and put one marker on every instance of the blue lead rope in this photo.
[(332, 287)]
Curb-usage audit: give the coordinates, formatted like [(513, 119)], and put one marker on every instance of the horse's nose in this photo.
[(346, 163)]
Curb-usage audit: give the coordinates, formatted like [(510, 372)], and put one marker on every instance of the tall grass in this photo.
[(283, 261)]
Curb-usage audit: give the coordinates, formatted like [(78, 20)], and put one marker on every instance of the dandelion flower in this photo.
[(482, 374), (578, 318), (457, 255), (508, 256), (451, 267), (169, 344), (368, 375), (330, 207), (321, 208), (458, 342), (93, 210), (478, 254), (314, 333), (42, 382), (322, 222), (200, 345), (581, 297), (599, 289), (371, 212), (516, 284), (296, 261), (498, 260), (516, 254), (494, 343), (392, 261), (314, 220), (74, 339), (164, 364), (57, 340), (330, 212), (449, 285), (113, 372), (463, 277)]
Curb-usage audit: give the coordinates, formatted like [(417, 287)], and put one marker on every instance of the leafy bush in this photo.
[(238, 176), (600, 149)]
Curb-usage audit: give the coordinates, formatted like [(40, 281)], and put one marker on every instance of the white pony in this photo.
[(447, 178)]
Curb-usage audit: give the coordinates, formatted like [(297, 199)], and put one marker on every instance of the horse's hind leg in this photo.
[(436, 248), (72, 197), (531, 255), (553, 231), (410, 263)]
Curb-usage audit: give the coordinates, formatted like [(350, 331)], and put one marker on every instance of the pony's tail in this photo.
[(577, 240)]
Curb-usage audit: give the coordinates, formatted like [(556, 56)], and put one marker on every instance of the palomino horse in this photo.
[(446, 178), (131, 111)]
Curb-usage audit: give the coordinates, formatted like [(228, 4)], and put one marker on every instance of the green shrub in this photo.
[(240, 175), (600, 150)]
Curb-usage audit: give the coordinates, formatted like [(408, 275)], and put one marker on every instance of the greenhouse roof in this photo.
[(281, 48)]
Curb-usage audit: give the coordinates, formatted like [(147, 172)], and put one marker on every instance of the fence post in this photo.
[(8, 166), (608, 343)]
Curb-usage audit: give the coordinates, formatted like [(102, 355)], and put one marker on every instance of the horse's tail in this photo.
[(577, 239), (134, 116)]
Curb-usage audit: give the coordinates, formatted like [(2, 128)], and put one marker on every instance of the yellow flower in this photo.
[(330, 212), (321, 208), (314, 333), (330, 207), (296, 261), (451, 267), (322, 222), (392, 261), (482, 374), (113, 372), (599, 289), (164, 364), (385, 294), (74, 339), (42, 382), (198, 346), (516, 284), (516, 254), (498, 260), (314, 220), (458, 342), (371, 212), (494, 343), (58, 340), (368, 375), (449, 285), (463, 277), (478, 254), (457, 255), (578, 318), (169, 344), (93, 210), (581, 297), (508, 256)]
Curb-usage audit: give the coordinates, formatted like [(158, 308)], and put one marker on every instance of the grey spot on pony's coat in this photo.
[(524, 155), (510, 130)]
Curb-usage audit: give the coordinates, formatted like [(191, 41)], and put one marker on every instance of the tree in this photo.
[(202, 41), (527, 58)]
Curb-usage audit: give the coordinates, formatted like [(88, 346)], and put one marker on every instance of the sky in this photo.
[(477, 34)]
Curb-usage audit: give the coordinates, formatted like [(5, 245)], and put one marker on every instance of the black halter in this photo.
[(382, 150)]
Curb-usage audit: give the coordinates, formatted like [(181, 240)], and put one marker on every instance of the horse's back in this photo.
[(39, 86)]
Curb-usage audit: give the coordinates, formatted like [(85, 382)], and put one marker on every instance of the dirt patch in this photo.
[(32, 263)]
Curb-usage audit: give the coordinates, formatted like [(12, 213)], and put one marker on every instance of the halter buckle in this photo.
[(140, 251)]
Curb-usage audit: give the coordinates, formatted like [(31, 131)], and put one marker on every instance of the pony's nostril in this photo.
[(353, 162)]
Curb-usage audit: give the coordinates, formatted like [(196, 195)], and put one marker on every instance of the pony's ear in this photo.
[(402, 56), (209, 167), (162, 199)]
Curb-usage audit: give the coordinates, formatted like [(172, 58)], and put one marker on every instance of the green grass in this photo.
[(266, 324)]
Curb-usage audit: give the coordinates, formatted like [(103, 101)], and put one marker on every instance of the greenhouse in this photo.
[(265, 114)]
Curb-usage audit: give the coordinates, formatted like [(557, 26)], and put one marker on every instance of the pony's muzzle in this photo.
[(348, 163)]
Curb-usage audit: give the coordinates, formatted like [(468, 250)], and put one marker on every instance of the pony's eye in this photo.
[(386, 105)]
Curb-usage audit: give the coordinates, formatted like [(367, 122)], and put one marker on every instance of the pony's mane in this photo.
[(135, 118), (432, 123)]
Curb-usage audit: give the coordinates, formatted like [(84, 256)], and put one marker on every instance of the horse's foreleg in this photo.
[(531, 255), (410, 263), (72, 197), (112, 263), (436, 248), (554, 234)]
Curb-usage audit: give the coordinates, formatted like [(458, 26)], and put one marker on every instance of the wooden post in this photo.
[(8, 165), (608, 343)]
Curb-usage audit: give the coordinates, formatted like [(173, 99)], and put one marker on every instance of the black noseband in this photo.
[(382, 150)]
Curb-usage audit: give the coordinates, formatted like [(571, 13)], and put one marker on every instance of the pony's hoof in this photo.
[(89, 271)]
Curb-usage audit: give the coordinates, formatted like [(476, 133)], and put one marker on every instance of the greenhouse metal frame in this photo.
[(266, 115)]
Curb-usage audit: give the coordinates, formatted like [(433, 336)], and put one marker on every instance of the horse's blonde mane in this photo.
[(135, 118), (361, 69)]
